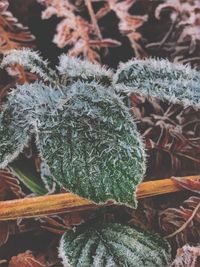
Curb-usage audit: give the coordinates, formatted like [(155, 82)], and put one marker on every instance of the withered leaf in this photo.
[(9, 182), (185, 182), (26, 259)]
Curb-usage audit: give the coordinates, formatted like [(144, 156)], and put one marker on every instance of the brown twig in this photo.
[(93, 18), (69, 202)]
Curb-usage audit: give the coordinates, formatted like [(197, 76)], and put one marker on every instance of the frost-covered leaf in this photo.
[(31, 61), (87, 138), (175, 83), (14, 134), (18, 120), (47, 178), (113, 245), (90, 143), (84, 70)]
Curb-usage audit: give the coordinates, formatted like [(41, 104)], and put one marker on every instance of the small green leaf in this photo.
[(30, 181), (113, 245)]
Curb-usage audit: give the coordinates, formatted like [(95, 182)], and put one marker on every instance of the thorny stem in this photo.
[(69, 202)]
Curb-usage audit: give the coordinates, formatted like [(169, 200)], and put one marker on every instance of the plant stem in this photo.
[(69, 202)]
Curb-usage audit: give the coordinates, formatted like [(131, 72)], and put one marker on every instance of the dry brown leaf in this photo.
[(189, 184), (13, 35), (9, 183), (182, 224), (82, 37), (2, 261), (4, 232), (171, 136), (128, 24), (26, 259), (145, 215), (187, 256), (182, 39), (61, 223), (86, 38)]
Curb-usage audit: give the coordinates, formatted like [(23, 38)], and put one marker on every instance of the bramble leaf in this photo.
[(162, 79), (31, 61), (14, 134), (77, 69), (90, 142), (113, 245)]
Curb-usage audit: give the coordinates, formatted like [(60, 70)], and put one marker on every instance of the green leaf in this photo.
[(14, 135), (113, 245), (162, 79), (77, 69), (31, 61), (30, 181), (91, 144), (18, 119)]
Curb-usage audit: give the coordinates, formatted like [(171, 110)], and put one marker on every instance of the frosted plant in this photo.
[(85, 134), (89, 143)]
